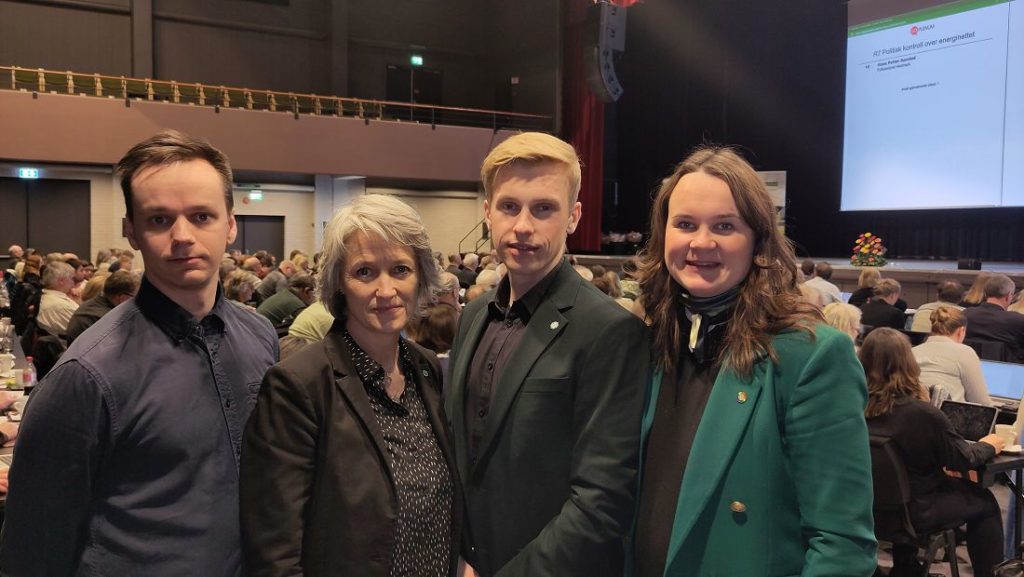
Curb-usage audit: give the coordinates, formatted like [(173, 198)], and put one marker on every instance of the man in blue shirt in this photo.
[(127, 461)]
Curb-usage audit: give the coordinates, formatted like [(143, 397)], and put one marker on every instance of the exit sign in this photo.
[(28, 173), (416, 60)]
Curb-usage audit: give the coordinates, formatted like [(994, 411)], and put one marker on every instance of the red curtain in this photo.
[(584, 127)]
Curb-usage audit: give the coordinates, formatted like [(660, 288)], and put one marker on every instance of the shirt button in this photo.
[(227, 403), (482, 413), (509, 323), (490, 366)]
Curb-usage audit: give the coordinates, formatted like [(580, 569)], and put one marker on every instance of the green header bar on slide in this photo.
[(921, 15)]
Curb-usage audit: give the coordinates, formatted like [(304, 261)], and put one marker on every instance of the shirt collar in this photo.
[(527, 304), (370, 372), (175, 321)]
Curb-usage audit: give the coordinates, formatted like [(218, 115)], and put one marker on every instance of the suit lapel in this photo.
[(731, 405), (456, 395), (351, 388), (545, 325)]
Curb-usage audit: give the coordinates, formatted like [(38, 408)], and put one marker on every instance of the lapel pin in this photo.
[(741, 396), (554, 325), (426, 373)]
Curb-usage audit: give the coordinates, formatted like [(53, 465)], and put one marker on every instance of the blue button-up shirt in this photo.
[(127, 460)]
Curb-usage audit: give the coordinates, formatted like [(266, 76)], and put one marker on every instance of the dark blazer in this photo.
[(317, 496), (992, 322), (878, 313), (553, 490)]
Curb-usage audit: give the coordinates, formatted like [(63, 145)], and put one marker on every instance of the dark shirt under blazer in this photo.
[(127, 461), (318, 492), (552, 492)]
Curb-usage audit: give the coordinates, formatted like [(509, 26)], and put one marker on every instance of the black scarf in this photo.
[(705, 314)]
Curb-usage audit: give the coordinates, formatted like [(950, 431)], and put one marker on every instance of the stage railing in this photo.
[(198, 94)]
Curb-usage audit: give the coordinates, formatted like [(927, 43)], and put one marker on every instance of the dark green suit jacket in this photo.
[(778, 481), (553, 490)]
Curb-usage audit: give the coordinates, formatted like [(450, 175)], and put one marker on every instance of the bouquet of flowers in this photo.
[(868, 251)]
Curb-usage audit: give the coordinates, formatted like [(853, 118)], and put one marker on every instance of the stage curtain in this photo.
[(584, 128)]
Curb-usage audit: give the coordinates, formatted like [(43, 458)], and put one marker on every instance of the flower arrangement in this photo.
[(868, 250)]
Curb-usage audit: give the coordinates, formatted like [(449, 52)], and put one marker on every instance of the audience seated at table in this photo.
[(947, 362), (869, 277), (949, 294), (976, 294), (282, 308), (818, 276), (844, 317), (56, 305), (117, 288), (991, 322), (898, 409), (880, 310)]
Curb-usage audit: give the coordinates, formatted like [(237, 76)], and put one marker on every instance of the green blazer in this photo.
[(553, 490), (778, 481)]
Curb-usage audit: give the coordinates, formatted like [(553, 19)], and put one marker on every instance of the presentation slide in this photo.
[(934, 108)]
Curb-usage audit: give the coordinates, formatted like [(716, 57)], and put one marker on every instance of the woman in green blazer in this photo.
[(755, 459)]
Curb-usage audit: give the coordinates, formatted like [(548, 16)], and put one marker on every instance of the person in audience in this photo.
[(310, 326), (975, 295), (898, 408), (302, 264), (819, 280), (27, 293), (56, 305), (1017, 305), (240, 287), (474, 292), (880, 310), (14, 253), (754, 431), (117, 288), (347, 462), (843, 317), (277, 280), (949, 294), (990, 321), (227, 266), (449, 291), (869, 277), (547, 384), (128, 452), (487, 278), (282, 308), (946, 362), (435, 329), (810, 295)]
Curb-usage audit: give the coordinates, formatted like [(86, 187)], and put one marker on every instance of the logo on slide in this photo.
[(913, 30)]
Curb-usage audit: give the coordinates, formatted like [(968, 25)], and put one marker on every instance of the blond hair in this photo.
[(532, 148), (844, 317), (869, 277)]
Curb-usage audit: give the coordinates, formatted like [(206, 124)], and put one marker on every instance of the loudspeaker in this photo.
[(969, 264), (606, 26)]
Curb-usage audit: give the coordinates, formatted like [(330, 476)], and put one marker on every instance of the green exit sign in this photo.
[(416, 60)]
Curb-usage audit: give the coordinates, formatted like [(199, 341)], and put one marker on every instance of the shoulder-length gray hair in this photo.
[(390, 219)]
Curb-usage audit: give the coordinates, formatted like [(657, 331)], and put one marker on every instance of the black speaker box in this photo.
[(969, 264)]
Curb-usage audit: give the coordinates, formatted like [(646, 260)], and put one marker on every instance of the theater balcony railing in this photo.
[(198, 94)]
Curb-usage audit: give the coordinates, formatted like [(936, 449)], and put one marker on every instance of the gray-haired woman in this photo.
[(347, 466)]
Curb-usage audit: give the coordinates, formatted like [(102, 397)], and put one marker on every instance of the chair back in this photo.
[(892, 492), (937, 394), (989, 350)]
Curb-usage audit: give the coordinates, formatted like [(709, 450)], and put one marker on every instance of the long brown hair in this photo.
[(768, 301), (891, 370)]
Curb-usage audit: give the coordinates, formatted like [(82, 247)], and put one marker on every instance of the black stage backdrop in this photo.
[(768, 77)]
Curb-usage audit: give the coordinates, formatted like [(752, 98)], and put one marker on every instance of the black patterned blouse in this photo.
[(423, 482)]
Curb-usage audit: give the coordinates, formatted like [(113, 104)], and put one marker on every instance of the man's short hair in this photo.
[(950, 291), (301, 282), (824, 270), (167, 147), (887, 287), (807, 267), (55, 272), (471, 260), (120, 283), (999, 286), (532, 148)]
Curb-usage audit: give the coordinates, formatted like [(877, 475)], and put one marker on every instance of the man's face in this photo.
[(181, 225), (530, 215)]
